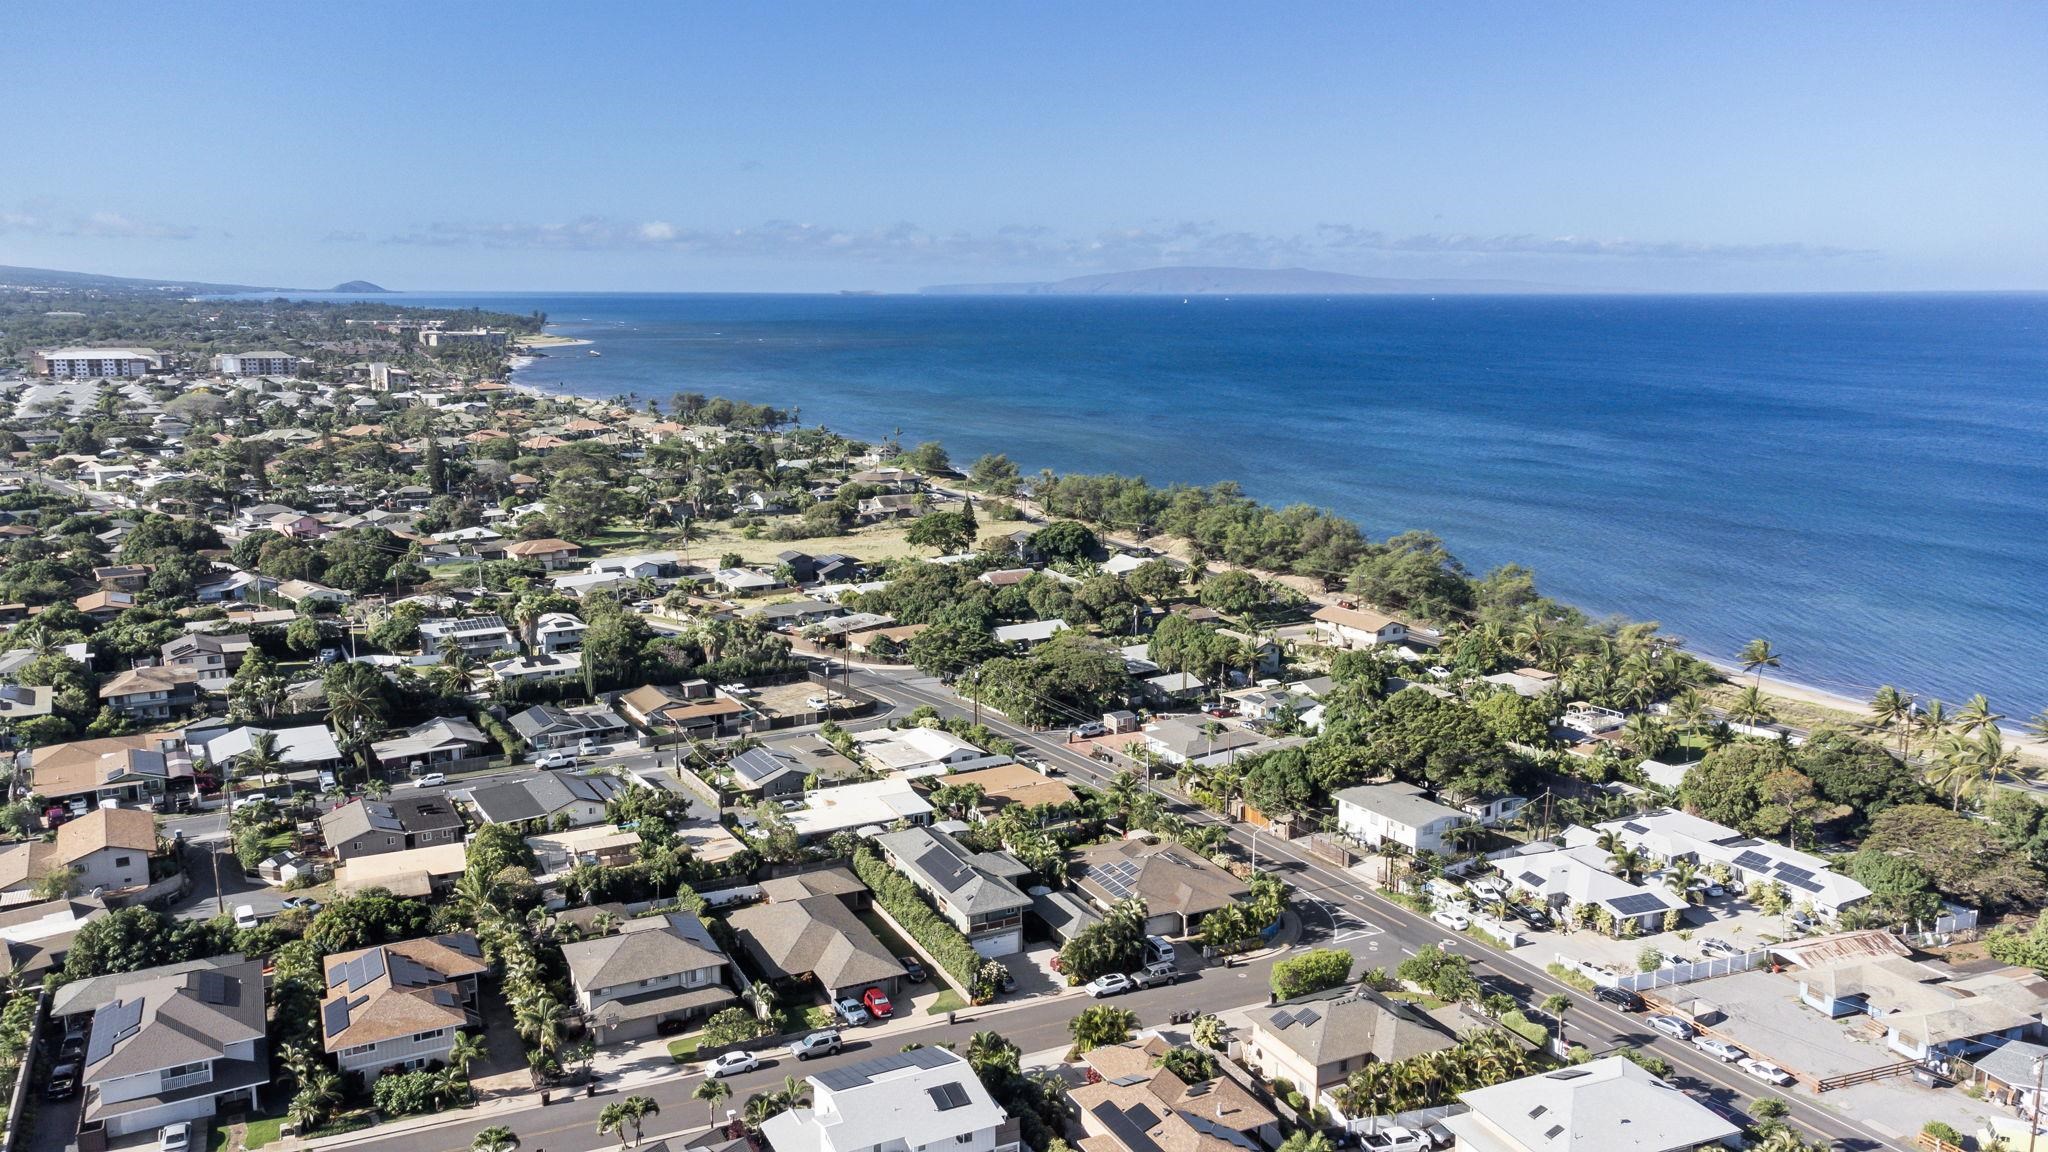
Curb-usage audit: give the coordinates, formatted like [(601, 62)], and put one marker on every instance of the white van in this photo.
[(1158, 949)]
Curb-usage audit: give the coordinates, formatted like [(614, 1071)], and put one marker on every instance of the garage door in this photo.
[(1008, 944)]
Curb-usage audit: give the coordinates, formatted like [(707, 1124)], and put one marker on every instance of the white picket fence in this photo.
[(1674, 974)]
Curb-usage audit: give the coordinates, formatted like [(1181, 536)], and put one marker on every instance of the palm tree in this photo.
[(318, 1094), (713, 1092), (1750, 707), (1935, 720), (758, 1109), (496, 1138), (1688, 710), (543, 1021), (613, 1119), (1680, 879), (1957, 768), (1977, 714), (794, 1093), (1646, 734), (2038, 726), (1557, 1004), (1757, 656), (1121, 794), (261, 759), (1627, 864), (466, 1049), (638, 1109), (1893, 709)]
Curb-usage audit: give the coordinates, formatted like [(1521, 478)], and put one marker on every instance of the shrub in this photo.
[(731, 1026), (1942, 1132), (1524, 1027), (1312, 971), (933, 932), (408, 1093)]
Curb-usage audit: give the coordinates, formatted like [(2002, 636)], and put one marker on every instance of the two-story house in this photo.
[(478, 636), (151, 693), (373, 827), (571, 798), (177, 1047), (1402, 813), (213, 657), (975, 890), (654, 969), (397, 1007), (1602, 1104), (1316, 1041), (109, 847), (1356, 627), (923, 1100)]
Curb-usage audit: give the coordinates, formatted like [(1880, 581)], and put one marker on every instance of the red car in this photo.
[(877, 1003)]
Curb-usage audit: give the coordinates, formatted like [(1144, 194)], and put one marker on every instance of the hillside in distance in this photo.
[(55, 279), (1242, 282)]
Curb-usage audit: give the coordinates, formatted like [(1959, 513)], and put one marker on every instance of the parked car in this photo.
[(174, 1137), (1156, 973), (587, 747), (63, 1083), (825, 1043), (850, 1011), (1673, 1027), (1719, 947), (328, 782), (1110, 984), (731, 1064), (1090, 730), (1766, 1071), (431, 780), (877, 1003), (1451, 918), (1719, 1049), (1621, 998), (555, 759), (304, 904), (1535, 918), (1707, 888), (816, 703), (245, 916), (1219, 711), (1394, 1140), (913, 970)]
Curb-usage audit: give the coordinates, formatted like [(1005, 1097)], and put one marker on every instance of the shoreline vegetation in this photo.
[(550, 340), (1221, 528)]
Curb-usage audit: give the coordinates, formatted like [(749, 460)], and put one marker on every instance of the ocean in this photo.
[(1863, 479)]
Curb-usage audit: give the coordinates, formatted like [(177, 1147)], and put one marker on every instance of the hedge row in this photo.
[(896, 893)]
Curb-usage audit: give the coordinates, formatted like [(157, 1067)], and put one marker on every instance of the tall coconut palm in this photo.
[(1646, 734), (638, 1109), (613, 1119), (1751, 707), (1680, 878), (1976, 714), (1957, 768), (1122, 794), (466, 1049), (759, 1108), (1557, 1004), (262, 758), (1627, 864), (544, 1023), (1894, 709), (1935, 721), (1688, 711), (1757, 656), (794, 1093), (713, 1091)]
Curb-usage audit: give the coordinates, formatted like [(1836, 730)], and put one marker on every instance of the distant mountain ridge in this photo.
[(1242, 282), (54, 278)]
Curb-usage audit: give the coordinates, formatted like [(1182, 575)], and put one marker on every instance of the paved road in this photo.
[(1590, 1021)]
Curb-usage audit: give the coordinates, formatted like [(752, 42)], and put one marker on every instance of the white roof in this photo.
[(1608, 1105), (1580, 874), (1030, 631), (911, 747), (312, 744), (883, 802), (926, 1097)]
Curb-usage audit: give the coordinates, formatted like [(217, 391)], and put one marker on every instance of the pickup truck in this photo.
[(1394, 1140)]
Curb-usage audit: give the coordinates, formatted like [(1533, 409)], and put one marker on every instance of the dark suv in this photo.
[(1621, 998)]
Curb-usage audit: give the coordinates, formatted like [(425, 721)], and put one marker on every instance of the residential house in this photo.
[(888, 506), (1008, 784), (1402, 813), (213, 656), (1340, 627), (304, 592), (977, 891), (744, 581), (604, 845), (922, 1100), (245, 586), (1029, 634), (548, 552), (1178, 885), (478, 636), (1573, 877), (1185, 740), (819, 939), (916, 752), (303, 748), (766, 773), (151, 692), (104, 605), (851, 807), (557, 632), (421, 873), (1131, 1104), (110, 848), (655, 969), (792, 613), (1320, 1039), (1266, 655), (547, 726), (565, 798), (639, 566), (1924, 1013), (179, 1047), (433, 743), (401, 824), (660, 708), (1670, 836), (537, 669), (123, 577), (398, 1007), (128, 769), (1602, 1105)]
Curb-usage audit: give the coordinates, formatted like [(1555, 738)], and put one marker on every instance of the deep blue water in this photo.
[(1861, 479)]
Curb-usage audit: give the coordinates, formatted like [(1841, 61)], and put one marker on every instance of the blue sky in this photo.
[(792, 146)]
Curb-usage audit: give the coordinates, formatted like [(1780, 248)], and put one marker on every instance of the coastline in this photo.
[(550, 340)]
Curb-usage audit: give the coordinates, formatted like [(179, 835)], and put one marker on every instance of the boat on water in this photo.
[(593, 352)]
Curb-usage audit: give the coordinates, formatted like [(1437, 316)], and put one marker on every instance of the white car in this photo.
[(1109, 984), (815, 703), (174, 1137), (731, 1064), (431, 780), (1766, 1071), (555, 760), (1451, 918), (245, 916), (1719, 1049)]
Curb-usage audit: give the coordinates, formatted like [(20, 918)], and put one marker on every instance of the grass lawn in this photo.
[(1526, 1028), (257, 1133), (948, 1001)]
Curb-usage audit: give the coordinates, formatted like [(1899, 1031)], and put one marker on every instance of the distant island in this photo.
[(58, 280), (358, 286), (1242, 282)]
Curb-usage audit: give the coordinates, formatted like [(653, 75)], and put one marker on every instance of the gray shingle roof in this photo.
[(1347, 1023), (818, 936), (938, 862), (661, 946)]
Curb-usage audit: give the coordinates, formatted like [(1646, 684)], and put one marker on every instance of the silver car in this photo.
[(1718, 1048)]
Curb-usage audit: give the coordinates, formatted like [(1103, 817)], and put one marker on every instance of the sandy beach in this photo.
[(549, 340)]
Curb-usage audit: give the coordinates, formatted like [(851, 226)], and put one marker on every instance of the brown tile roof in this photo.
[(397, 989), (129, 828), (155, 678), (1364, 619), (1014, 784), (541, 547), (66, 769)]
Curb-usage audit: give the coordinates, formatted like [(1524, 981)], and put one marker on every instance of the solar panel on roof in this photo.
[(1637, 904), (1127, 1133), (1307, 1016), (334, 1017), (1532, 879), (1793, 873), (1753, 861), (1808, 885), (1634, 827), (948, 1096), (1115, 877), (215, 988), (1127, 1081)]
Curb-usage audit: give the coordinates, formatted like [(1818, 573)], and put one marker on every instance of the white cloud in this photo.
[(99, 225)]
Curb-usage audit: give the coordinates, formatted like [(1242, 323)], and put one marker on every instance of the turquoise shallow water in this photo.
[(1862, 479)]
